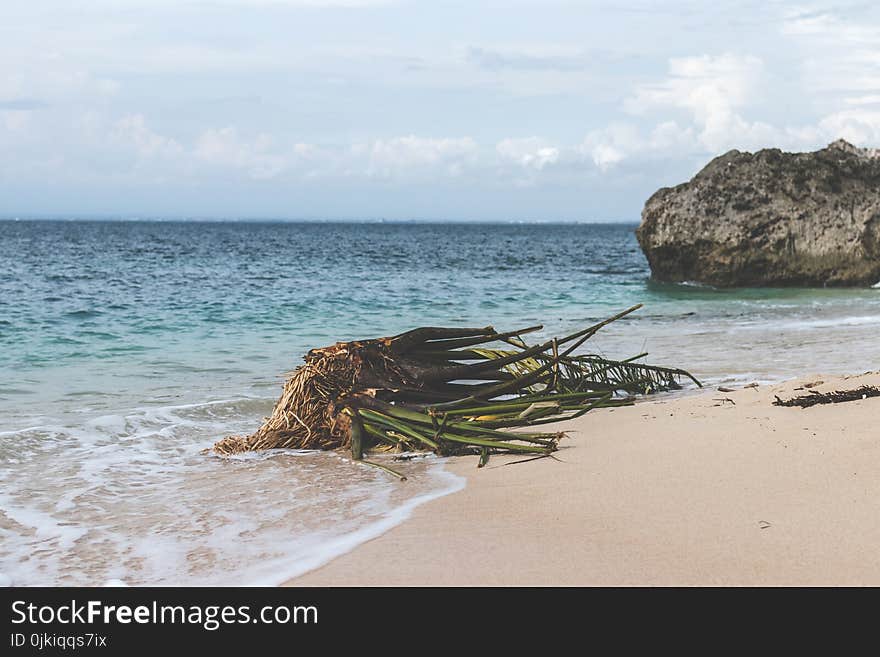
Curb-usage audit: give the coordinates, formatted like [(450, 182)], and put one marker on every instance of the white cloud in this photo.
[(669, 137), (713, 90), (412, 155), (132, 131), (863, 100), (704, 85), (858, 126), (259, 157), (611, 145), (841, 54), (619, 141), (606, 156), (529, 153), (51, 84), (840, 70), (228, 152), (828, 25)]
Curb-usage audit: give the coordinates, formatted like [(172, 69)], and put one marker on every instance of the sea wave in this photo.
[(806, 324), (130, 497)]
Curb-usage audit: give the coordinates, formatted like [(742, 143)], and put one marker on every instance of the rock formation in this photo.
[(770, 218)]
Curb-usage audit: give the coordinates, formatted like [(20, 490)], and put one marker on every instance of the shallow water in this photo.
[(127, 348), (131, 497)]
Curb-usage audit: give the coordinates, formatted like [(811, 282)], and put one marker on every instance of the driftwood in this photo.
[(814, 398)]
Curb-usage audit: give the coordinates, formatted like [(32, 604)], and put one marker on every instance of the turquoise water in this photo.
[(127, 347)]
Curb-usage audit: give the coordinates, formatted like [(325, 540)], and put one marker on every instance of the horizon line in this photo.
[(300, 220)]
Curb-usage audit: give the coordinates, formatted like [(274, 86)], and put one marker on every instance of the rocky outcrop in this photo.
[(770, 218)]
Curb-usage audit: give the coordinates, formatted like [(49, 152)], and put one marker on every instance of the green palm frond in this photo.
[(450, 391)]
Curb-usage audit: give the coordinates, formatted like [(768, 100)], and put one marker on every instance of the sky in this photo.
[(524, 110)]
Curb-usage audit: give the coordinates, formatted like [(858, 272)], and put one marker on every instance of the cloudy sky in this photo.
[(520, 110)]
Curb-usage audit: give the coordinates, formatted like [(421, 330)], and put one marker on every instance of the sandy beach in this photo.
[(711, 488)]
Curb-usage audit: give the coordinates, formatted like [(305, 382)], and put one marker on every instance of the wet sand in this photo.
[(713, 488)]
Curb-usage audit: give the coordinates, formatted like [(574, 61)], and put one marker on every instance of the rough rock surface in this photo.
[(770, 218)]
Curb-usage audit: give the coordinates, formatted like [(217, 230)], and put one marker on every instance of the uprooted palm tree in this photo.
[(443, 390)]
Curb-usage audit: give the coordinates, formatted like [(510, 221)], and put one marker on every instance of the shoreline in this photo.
[(711, 488)]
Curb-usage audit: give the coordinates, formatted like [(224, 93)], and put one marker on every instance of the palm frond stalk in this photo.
[(450, 391)]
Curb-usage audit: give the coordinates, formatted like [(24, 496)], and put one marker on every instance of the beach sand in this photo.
[(676, 490)]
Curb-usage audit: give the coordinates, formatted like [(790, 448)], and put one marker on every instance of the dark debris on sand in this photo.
[(835, 397)]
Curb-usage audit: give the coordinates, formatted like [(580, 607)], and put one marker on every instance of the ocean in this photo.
[(127, 348)]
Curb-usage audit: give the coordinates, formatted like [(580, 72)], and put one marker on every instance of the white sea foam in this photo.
[(314, 556), (129, 498), (807, 324)]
